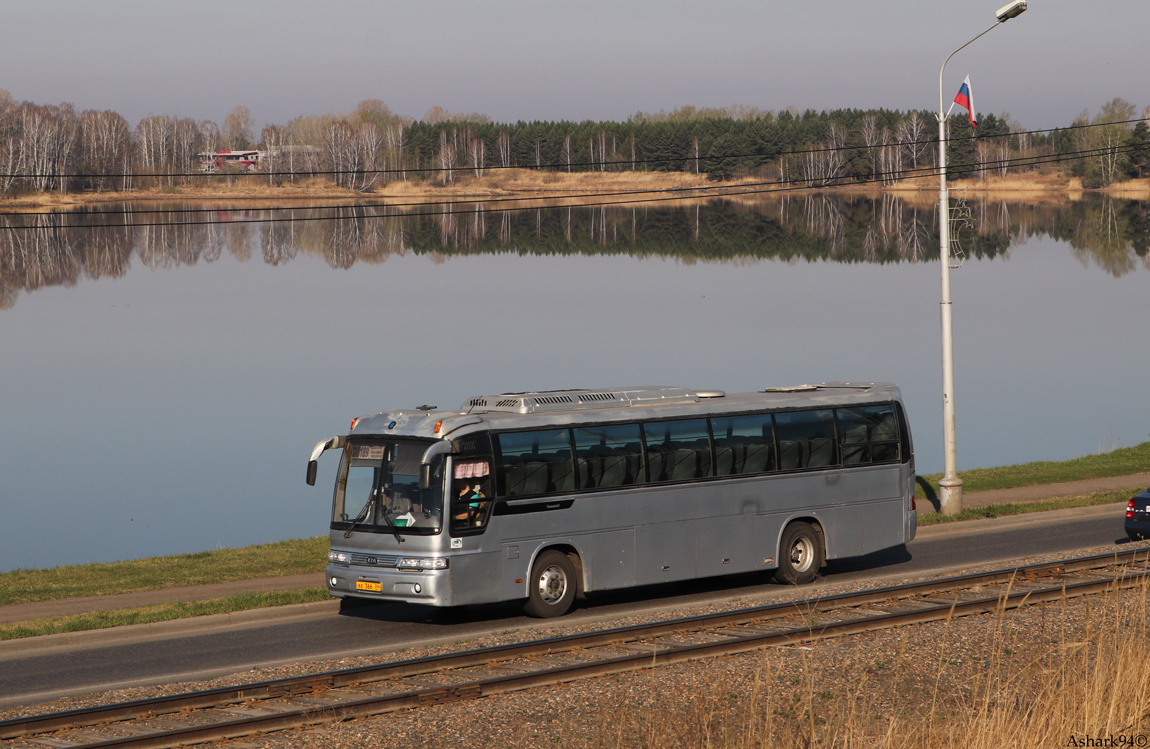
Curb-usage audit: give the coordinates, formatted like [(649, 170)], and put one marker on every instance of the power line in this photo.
[(563, 165), (761, 188), (678, 192)]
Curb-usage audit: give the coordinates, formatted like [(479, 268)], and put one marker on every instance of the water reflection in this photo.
[(60, 248)]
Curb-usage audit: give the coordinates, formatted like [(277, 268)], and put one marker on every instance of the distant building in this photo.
[(233, 161)]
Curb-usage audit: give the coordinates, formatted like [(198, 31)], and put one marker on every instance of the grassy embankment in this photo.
[(1120, 462), (310, 555), (201, 568)]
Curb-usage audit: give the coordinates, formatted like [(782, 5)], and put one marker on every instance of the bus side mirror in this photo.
[(439, 448), (334, 443)]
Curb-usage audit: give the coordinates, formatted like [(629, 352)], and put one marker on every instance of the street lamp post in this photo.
[(950, 486)]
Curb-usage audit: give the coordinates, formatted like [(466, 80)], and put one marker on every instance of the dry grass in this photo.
[(1051, 675), (1017, 687)]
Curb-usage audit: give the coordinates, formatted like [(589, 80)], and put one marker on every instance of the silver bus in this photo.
[(546, 496)]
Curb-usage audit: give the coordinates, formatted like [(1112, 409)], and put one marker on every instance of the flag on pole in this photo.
[(964, 99)]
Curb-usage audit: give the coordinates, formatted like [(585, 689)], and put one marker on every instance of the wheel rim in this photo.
[(802, 554), (552, 585)]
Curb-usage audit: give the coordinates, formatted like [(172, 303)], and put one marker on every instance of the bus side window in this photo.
[(678, 450), (807, 439), (869, 434), (744, 444), (534, 463), (608, 455)]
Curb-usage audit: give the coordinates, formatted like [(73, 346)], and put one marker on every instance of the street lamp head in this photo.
[(1011, 10)]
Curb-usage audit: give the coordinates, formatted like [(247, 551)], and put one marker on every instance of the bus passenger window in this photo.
[(534, 463), (470, 495), (608, 455), (678, 450), (743, 444), (806, 439), (869, 434)]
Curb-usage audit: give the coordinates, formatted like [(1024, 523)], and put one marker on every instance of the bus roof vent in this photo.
[(552, 399), (575, 400)]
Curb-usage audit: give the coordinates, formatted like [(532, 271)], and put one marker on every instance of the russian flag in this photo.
[(964, 99)]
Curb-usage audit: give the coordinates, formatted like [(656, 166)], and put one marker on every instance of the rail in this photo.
[(281, 704)]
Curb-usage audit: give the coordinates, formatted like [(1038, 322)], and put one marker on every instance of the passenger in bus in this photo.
[(470, 503)]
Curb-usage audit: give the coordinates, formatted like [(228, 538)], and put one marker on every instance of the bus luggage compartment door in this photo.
[(726, 545), (664, 552)]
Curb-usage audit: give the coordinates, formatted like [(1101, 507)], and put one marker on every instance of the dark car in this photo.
[(1138, 516)]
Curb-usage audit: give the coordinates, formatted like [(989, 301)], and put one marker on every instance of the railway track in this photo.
[(263, 707)]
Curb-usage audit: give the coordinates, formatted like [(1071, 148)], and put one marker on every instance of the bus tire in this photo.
[(552, 586), (800, 554)]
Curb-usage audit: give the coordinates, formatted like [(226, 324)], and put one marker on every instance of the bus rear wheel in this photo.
[(551, 589), (800, 555)]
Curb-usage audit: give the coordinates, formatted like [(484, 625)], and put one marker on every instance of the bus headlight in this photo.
[(415, 563), (338, 557)]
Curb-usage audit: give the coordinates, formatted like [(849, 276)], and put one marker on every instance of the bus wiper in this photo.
[(362, 515), (394, 528)]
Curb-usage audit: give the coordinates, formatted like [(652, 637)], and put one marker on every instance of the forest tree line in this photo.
[(46, 148)]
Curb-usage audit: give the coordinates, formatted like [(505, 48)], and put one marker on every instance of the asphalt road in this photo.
[(37, 675)]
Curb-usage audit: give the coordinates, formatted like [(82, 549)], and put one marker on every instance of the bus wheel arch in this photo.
[(802, 552), (553, 583)]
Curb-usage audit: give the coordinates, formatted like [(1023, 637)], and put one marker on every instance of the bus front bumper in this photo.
[(432, 587)]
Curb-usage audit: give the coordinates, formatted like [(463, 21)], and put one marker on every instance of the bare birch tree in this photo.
[(912, 133), (503, 144), (476, 153), (274, 140), (11, 153), (105, 148), (983, 155), (870, 135), (1002, 156), (238, 126), (395, 143), (824, 164), (445, 158)]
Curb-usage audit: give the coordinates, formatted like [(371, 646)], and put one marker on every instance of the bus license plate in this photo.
[(365, 585)]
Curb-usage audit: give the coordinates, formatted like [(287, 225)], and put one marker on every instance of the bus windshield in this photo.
[(377, 489)]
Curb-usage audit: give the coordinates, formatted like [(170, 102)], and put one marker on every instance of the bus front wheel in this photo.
[(552, 585), (800, 555)]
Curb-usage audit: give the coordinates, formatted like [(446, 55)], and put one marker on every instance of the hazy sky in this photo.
[(585, 60)]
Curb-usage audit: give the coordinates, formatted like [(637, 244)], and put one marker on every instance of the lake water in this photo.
[(164, 380)]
